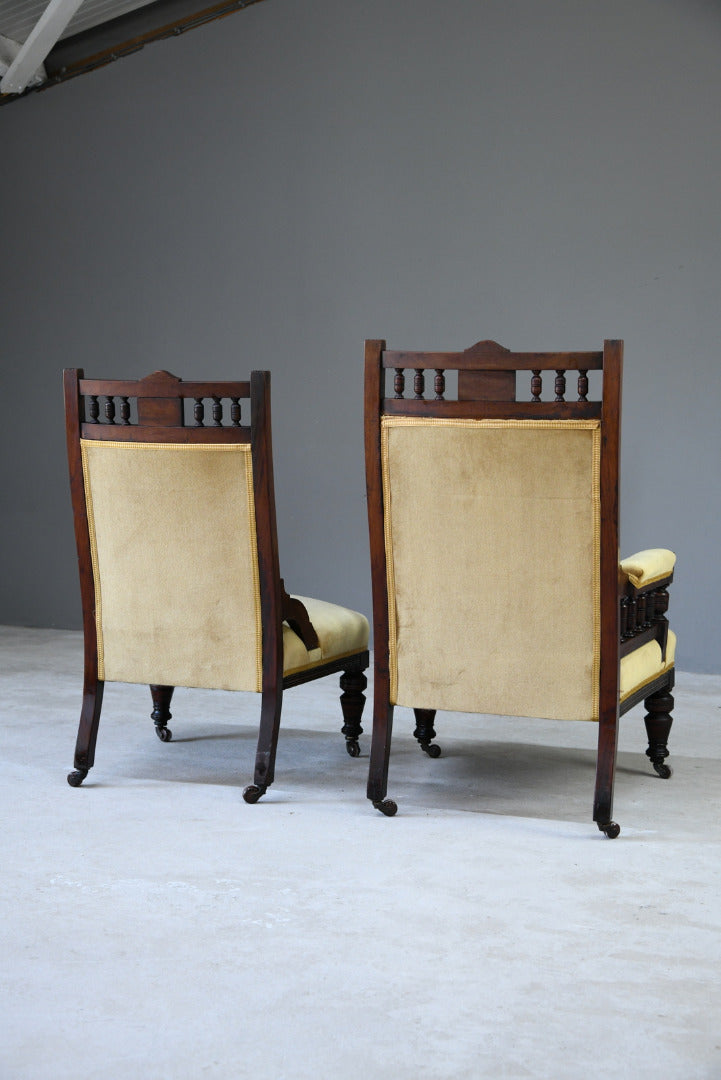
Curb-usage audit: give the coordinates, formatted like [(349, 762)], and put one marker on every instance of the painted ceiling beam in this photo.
[(38, 44)]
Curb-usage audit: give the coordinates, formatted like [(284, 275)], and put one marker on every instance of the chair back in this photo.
[(172, 488), (493, 510)]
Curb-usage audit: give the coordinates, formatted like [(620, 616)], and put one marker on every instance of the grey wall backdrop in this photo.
[(273, 188)]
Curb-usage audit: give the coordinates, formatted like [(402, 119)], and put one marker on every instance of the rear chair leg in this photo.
[(87, 731), (658, 722), (605, 773), (381, 746), (270, 708), (352, 701), (161, 713)]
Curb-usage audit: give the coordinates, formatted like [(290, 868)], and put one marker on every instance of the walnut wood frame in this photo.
[(487, 374), (159, 403)]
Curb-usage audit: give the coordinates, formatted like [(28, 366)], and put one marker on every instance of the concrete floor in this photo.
[(156, 926)]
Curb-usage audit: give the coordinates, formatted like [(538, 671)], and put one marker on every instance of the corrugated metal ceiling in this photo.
[(18, 17)]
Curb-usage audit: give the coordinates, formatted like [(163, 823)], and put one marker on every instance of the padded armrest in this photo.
[(646, 567)]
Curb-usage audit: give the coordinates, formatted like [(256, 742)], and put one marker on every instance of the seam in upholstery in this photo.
[(596, 582), (94, 561), (390, 573), (638, 584), (322, 660), (656, 675), (256, 573)]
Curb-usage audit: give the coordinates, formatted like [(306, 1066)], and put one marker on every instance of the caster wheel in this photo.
[(386, 807), (76, 777), (252, 793), (433, 750), (164, 734), (664, 771), (611, 830), (353, 747)]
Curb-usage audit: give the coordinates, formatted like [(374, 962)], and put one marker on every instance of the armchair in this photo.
[(175, 527), (493, 522)]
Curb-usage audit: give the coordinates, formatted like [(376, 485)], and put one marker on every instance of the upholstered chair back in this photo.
[(492, 546), (177, 520)]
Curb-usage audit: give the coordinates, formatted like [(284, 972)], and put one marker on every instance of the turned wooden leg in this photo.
[(424, 731), (352, 701), (161, 713), (87, 731), (658, 722)]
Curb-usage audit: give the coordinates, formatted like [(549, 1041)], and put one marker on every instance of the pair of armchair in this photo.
[(493, 519)]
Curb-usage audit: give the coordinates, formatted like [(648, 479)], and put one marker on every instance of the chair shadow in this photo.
[(515, 779)]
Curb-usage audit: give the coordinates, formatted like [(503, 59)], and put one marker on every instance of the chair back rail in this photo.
[(153, 409)]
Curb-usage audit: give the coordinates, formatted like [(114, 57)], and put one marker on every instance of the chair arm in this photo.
[(296, 615), (643, 598), (648, 567)]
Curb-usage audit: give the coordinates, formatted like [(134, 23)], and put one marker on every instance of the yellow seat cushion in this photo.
[(645, 664), (648, 566), (341, 632)]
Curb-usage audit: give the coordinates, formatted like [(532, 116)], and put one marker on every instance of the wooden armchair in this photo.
[(174, 507), (493, 524)]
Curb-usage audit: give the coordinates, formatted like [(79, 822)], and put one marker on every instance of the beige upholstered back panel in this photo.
[(172, 530), (492, 544)]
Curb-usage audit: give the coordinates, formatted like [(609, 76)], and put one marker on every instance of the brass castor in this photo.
[(253, 792), (611, 829), (353, 747), (164, 734), (663, 770), (76, 777), (386, 807), (433, 750)]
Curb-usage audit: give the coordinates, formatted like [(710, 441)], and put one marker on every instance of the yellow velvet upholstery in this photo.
[(492, 544), (185, 613), (645, 664), (341, 632), (648, 566)]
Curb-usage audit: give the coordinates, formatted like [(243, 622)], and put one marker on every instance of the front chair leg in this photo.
[(161, 713), (658, 722), (424, 732), (352, 701)]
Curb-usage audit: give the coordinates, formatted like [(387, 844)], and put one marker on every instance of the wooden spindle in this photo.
[(560, 384), (399, 382), (660, 603), (439, 384), (583, 385), (419, 384), (536, 385), (217, 412), (623, 620), (110, 409), (632, 617), (235, 412), (199, 412), (641, 612), (124, 410), (93, 409)]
